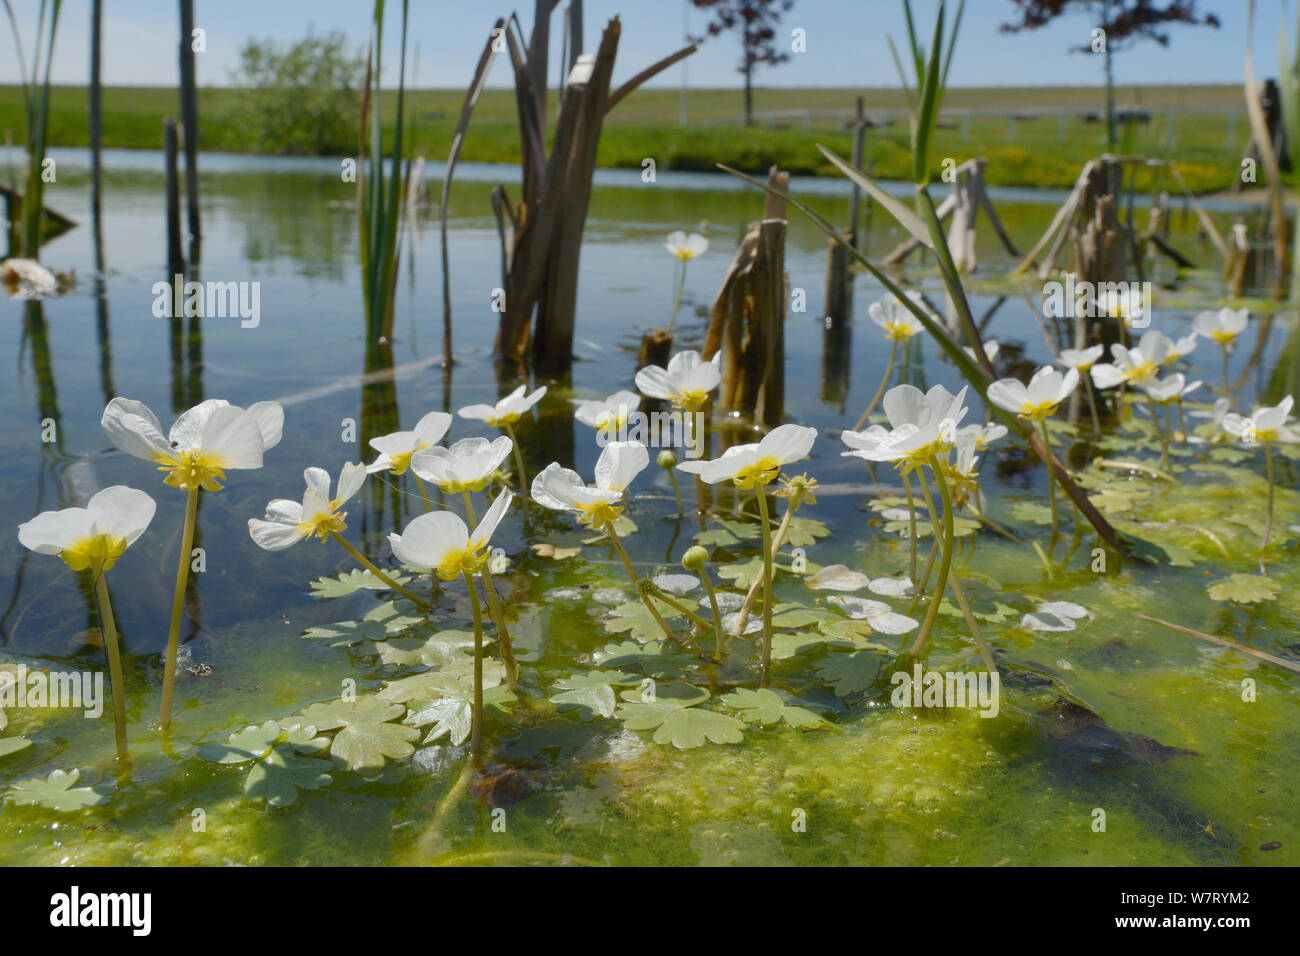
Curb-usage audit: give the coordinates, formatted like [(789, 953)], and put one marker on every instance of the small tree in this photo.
[(757, 21), (1122, 23), (303, 99)]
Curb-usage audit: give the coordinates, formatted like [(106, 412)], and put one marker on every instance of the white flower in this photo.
[(465, 466), (1126, 304), (879, 615), (288, 522), (1171, 388), (1223, 326), (507, 411), (440, 540), (1268, 424), (204, 441), (985, 435), (1081, 359), (396, 448), (686, 247), (923, 424), (1134, 365), (862, 444), (610, 416), (892, 316), (1181, 348), (758, 463), (966, 460), (990, 349), (562, 489), (27, 279), (686, 382), (1046, 390), (92, 537), (898, 587)]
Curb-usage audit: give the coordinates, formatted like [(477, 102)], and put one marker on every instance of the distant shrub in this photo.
[(301, 99)]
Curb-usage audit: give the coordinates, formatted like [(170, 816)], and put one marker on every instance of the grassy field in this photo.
[(1043, 151)]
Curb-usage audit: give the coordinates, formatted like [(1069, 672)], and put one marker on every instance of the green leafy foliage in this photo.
[(850, 673), (349, 582), (366, 732), (675, 717), (634, 618), (652, 659), (591, 693), (1245, 589), (58, 791), (766, 707)]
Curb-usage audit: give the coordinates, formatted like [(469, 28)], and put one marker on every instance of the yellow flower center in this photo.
[(684, 254), (599, 514), (453, 487), (898, 331), (323, 524), (397, 464), (1038, 411), (691, 400), (1223, 336), (504, 419), (457, 563), (759, 473), (98, 553), (193, 469), (1142, 371)]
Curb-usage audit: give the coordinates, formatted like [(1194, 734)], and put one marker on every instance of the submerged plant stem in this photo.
[(519, 462), (373, 569), (884, 380), (1268, 519), (476, 731), (911, 519), (1164, 439), (1048, 455), (178, 606), (677, 491), (721, 649), (1092, 402), (504, 642), (792, 506), (636, 582), (945, 563), (109, 626), (760, 493), (677, 301)]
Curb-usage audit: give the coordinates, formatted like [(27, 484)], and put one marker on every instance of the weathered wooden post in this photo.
[(747, 320), (190, 124), (175, 251)]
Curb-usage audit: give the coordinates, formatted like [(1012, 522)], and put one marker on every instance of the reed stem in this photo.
[(109, 627)]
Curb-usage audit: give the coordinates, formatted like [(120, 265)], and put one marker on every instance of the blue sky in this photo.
[(845, 41)]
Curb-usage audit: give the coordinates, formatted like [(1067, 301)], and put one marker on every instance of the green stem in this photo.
[(766, 661), (1048, 454), (945, 564), (109, 627), (1268, 520), (1226, 387), (672, 601), (1164, 441), (717, 614), (792, 506), (677, 491), (889, 368), (519, 461), (911, 517), (636, 582), (1092, 402), (424, 492), (370, 566), (476, 733), (975, 631), (178, 606), (681, 284), (504, 642)]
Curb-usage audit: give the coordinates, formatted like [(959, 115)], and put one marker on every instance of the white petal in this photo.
[(270, 422), (53, 531), (787, 443), (318, 479), (483, 533), (429, 538), (351, 479), (430, 429), (187, 431), (233, 436), (837, 577), (273, 535), (620, 463), (121, 511), (132, 427)]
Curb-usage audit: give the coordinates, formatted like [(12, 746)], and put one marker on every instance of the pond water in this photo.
[(877, 785)]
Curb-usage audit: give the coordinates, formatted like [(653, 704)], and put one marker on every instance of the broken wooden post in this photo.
[(747, 320), (966, 201), (1237, 264), (839, 282), (175, 253)]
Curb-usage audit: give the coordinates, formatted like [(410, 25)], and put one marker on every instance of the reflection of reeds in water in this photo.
[(379, 416), (36, 100)]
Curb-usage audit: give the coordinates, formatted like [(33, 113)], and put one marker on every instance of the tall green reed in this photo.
[(36, 100)]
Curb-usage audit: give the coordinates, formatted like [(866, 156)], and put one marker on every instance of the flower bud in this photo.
[(667, 459), (695, 558)]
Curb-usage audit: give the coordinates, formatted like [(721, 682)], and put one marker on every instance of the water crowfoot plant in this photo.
[(441, 541), (796, 491), (1223, 326), (1269, 424), (667, 460), (1036, 403), (899, 325), (697, 559), (397, 448), (288, 522), (684, 248), (203, 442), (687, 383), (503, 415), (1082, 360), (599, 507), (462, 469), (754, 467), (92, 539)]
